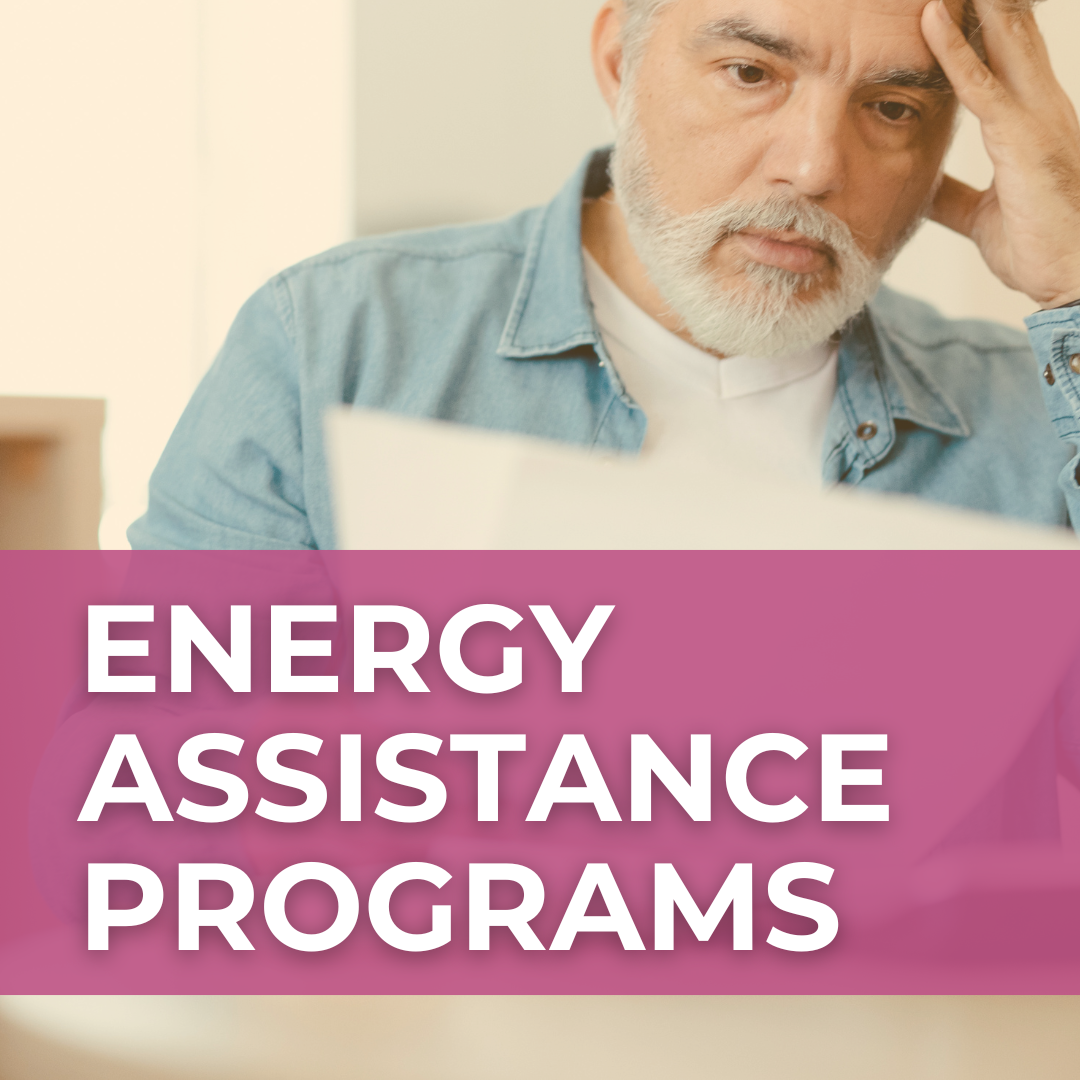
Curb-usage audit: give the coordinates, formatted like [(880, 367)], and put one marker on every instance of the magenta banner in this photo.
[(540, 772)]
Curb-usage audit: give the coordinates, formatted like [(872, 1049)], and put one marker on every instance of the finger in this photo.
[(956, 205), (1020, 60), (974, 83), (1015, 48)]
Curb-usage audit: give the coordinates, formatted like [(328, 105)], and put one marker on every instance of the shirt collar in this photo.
[(551, 313), (881, 378), (913, 392), (880, 381)]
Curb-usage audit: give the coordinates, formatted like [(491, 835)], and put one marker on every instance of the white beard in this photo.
[(763, 317)]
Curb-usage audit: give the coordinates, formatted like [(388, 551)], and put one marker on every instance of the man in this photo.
[(709, 289)]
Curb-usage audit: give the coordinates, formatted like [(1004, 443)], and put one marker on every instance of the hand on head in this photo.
[(1027, 224)]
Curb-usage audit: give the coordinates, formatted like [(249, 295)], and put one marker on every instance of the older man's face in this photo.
[(834, 103)]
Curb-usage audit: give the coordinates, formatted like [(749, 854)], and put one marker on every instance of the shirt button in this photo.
[(866, 431), (1074, 363), (1048, 375)]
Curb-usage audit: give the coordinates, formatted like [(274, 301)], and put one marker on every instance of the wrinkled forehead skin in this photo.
[(835, 37)]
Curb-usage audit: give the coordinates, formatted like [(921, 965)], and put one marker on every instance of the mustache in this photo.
[(713, 225)]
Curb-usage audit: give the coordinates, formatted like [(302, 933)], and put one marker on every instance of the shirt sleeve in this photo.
[(1055, 337), (231, 475)]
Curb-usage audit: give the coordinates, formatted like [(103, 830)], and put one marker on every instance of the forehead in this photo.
[(842, 37)]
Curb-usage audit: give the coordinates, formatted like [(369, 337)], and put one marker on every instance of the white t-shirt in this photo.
[(767, 413)]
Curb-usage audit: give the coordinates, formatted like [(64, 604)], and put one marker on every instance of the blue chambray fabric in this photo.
[(491, 325)]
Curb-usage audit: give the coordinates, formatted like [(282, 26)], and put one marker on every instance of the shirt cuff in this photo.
[(1055, 338)]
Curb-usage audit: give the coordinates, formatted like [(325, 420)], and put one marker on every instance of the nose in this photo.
[(805, 149)]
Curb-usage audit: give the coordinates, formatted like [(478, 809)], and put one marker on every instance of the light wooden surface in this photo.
[(50, 472), (750, 1038)]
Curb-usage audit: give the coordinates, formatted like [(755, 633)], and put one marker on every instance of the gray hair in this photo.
[(639, 15)]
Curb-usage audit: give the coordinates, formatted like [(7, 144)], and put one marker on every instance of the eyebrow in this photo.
[(932, 79), (740, 29)]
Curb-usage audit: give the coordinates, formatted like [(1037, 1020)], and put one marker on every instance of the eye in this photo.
[(748, 74), (895, 111)]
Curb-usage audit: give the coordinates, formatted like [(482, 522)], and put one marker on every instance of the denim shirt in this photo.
[(491, 325)]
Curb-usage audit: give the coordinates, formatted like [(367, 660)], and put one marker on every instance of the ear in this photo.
[(607, 52)]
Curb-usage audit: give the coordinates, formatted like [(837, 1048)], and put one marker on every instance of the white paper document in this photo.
[(401, 483)]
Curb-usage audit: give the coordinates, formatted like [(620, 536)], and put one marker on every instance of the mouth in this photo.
[(784, 249)]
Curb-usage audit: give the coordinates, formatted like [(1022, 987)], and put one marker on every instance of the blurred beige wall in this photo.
[(472, 108), (161, 161)]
